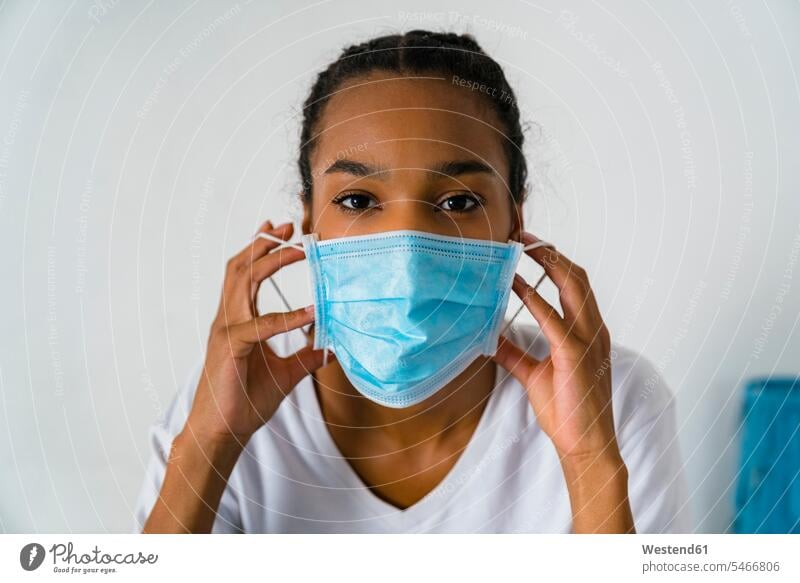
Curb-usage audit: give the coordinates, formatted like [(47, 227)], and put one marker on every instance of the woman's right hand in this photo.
[(243, 381)]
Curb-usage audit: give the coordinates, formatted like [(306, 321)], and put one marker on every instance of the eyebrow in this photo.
[(447, 167)]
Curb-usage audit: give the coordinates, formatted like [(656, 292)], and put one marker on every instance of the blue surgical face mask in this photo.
[(405, 312)]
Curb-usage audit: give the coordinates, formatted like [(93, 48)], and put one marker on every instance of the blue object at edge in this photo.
[(768, 490)]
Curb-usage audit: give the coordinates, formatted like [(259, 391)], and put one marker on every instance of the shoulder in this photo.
[(645, 418), (171, 421), (174, 416), (640, 394), (645, 421), (283, 344)]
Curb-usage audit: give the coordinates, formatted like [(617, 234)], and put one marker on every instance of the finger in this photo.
[(235, 265), (250, 249), (575, 293), (259, 247), (305, 361), (551, 323), (245, 335), (258, 273), (240, 287), (516, 361), (272, 262)]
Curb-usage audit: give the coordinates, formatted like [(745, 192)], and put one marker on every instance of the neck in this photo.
[(456, 407)]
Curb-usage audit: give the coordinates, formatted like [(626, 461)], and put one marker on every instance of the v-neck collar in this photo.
[(430, 505)]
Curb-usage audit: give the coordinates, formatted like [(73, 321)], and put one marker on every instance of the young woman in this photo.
[(402, 407)]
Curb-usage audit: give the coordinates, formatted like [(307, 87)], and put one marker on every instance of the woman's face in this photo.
[(410, 153)]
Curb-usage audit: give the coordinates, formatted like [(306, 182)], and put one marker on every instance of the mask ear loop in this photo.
[(281, 244), (536, 285)]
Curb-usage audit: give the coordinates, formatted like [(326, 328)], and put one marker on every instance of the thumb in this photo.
[(305, 361), (515, 360)]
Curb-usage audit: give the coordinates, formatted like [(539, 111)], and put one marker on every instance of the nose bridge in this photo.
[(407, 211)]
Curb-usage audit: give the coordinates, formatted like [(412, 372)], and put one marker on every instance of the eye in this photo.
[(461, 203), (355, 201)]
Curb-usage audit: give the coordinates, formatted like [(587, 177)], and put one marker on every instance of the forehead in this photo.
[(409, 118)]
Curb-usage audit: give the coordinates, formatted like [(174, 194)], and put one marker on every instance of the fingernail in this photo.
[(266, 226), (519, 280), (310, 308)]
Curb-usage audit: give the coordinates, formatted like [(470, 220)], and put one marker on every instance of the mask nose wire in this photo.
[(536, 285), (281, 245)]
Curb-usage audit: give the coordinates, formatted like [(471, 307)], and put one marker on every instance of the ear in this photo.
[(518, 223), (306, 225)]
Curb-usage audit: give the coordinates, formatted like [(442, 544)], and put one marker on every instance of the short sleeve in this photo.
[(645, 418), (160, 436)]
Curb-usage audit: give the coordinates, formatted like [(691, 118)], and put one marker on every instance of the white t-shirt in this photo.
[(292, 478)]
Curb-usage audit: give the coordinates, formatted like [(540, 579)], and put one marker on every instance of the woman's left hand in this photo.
[(570, 389)]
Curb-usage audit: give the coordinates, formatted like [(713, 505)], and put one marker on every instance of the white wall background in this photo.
[(141, 143)]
